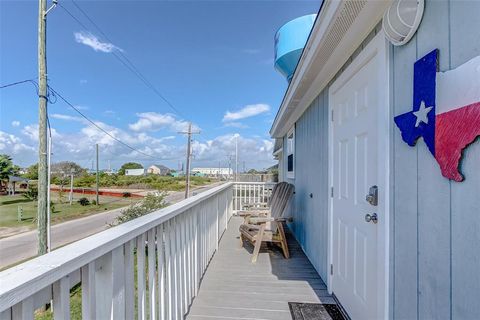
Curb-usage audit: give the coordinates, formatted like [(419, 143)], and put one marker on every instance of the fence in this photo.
[(251, 192), (149, 267)]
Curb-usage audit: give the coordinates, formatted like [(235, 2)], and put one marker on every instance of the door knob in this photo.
[(371, 218)]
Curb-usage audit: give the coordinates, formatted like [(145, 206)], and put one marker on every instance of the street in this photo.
[(22, 246)]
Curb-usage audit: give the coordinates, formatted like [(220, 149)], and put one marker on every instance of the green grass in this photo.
[(151, 181), (63, 211)]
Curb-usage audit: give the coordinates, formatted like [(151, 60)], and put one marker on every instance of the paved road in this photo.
[(23, 246)]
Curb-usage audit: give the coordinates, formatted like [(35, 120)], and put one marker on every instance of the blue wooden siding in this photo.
[(310, 206), (436, 222)]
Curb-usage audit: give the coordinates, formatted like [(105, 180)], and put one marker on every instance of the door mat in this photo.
[(315, 311)]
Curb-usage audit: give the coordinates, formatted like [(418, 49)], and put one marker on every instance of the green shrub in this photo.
[(149, 204), (31, 193), (84, 201)]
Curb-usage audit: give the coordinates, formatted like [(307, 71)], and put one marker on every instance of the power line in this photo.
[(97, 126), (20, 82), (125, 61), (54, 94)]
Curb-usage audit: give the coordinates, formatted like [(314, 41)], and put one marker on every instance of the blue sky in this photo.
[(213, 60)]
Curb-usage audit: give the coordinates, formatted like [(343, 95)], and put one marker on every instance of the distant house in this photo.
[(212, 171), (134, 172), (158, 169)]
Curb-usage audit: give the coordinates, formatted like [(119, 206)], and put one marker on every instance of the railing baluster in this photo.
[(141, 277), (178, 273), (23, 310), (168, 271), (190, 256), (88, 291), (184, 263), (152, 290), (118, 284), (161, 273), (195, 251), (173, 269), (129, 280), (61, 299)]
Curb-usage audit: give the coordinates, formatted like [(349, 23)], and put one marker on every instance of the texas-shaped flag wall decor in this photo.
[(446, 111)]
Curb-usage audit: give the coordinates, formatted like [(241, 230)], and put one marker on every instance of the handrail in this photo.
[(20, 282)]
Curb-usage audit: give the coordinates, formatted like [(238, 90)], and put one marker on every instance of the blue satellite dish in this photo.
[(289, 42)]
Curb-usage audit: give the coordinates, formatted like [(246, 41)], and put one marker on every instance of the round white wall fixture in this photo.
[(401, 20)]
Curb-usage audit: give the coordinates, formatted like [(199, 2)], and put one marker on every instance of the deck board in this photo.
[(234, 288)]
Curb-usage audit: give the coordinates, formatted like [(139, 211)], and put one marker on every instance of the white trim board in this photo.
[(378, 46)]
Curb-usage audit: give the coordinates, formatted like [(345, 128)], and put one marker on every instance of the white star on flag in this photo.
[(422, 114)]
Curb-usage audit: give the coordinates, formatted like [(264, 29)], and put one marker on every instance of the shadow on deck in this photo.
[(234, 288)]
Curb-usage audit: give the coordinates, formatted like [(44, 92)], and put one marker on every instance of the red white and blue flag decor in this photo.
[(446, 111)]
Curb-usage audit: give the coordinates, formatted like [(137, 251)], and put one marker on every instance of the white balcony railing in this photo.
[(251, 192), (120, 281)]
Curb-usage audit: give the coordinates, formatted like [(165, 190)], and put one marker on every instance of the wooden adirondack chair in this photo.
[(263, 208), (268, 227)]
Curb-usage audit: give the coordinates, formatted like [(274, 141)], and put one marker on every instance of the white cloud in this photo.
[(257, 153), (236, 125), (66, 117), (246, 112), (153, 121), (14, 146), (31, 131), (93, 42), (15, 123)]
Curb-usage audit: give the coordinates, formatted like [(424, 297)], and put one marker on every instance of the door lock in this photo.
[(372, 196), (371, 218)]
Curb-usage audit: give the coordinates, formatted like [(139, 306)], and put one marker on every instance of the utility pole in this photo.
[(71, 186), (42, 129), (236, 157), (96, 185), (49, 213), (230, 169), (189, 155)]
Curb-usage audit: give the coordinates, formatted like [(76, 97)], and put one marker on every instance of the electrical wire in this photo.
[(97, 126), (20, 82), (52, 95), (119, 55)]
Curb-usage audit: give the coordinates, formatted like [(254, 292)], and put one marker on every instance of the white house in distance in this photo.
[(135, 172), (213, 171), (158, 169), (383, 96)]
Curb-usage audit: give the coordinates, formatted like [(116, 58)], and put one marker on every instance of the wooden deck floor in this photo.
[(234, 288)]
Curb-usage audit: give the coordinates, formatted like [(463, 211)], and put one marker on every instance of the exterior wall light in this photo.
[(401, 20)]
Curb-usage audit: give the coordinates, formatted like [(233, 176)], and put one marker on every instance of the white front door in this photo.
[(355, 99)]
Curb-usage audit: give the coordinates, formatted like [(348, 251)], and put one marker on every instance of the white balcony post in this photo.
[(118, 283), (161, 273), (152, 290), (23, 310), (61, 299), (129, 280), (141, 277), (88, 291)]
